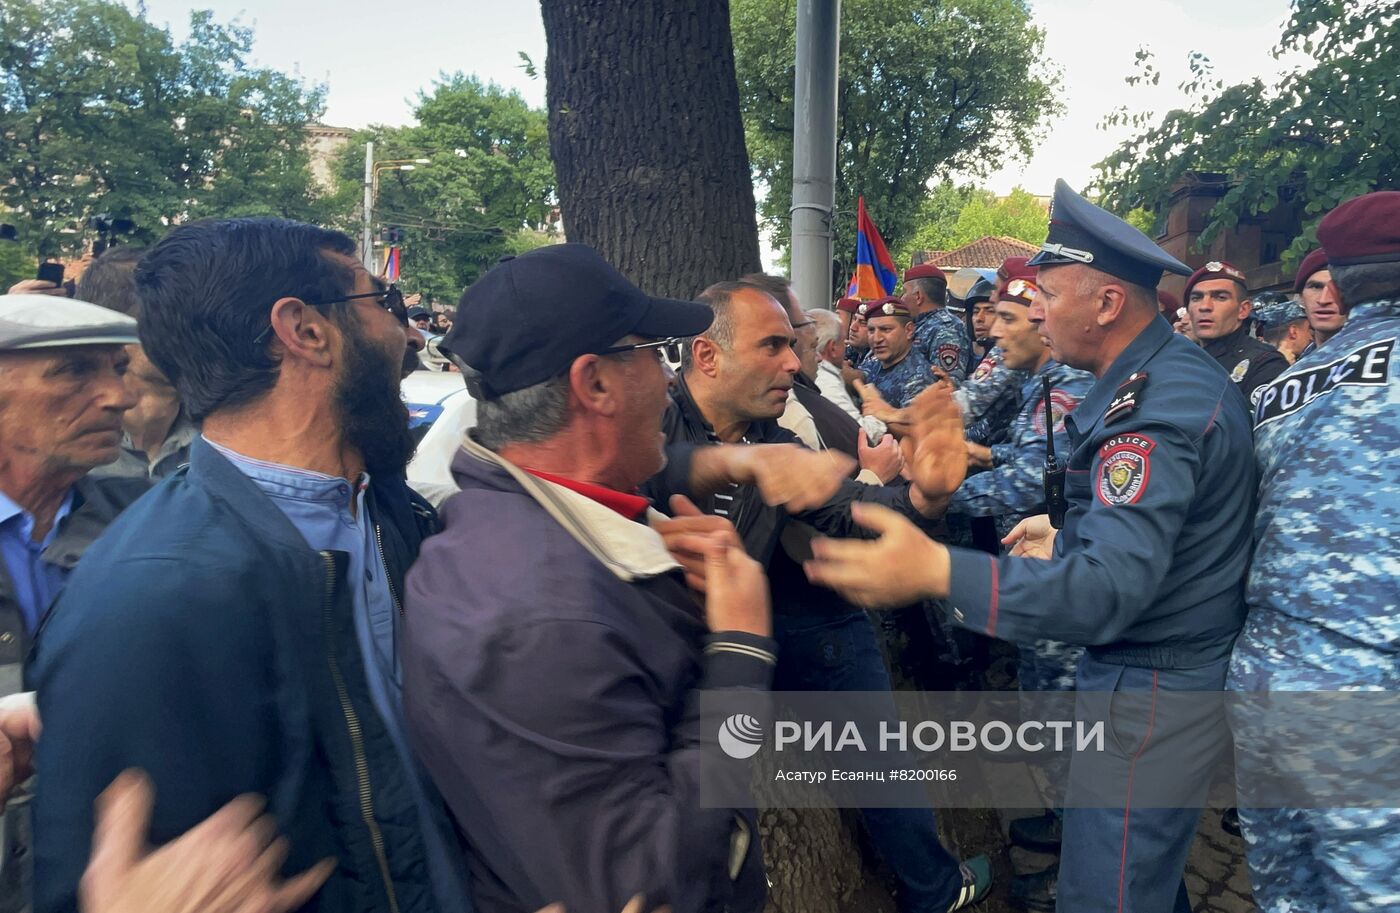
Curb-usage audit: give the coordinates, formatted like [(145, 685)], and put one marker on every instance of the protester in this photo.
[(831, 357), (156, 433), (1323, 581), (581, 785), (734, 388), (234, 632), (1160, 491), (1218, 305)]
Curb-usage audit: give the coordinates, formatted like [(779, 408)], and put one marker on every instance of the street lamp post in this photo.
[(372, 169)]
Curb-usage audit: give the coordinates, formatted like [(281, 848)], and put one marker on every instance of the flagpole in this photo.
[(814, 149)]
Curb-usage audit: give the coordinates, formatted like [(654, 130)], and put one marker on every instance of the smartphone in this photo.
[(51, 272)]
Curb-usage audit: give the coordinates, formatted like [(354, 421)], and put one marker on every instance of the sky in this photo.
[(376, 57)]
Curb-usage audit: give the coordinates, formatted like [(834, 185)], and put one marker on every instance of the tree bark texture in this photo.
[(647, 140)]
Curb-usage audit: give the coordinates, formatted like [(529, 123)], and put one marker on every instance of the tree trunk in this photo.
[(647, 141)]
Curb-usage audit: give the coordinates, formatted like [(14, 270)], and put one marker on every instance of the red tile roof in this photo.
[(984, 253)]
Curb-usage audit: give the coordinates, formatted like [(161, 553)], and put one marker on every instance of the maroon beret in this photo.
[(884, 307), (1311, 263), (1015, 267), (1018, 290), (924, 271), (1215, 269), (1362, 230), (1167, 303), (849, 305)]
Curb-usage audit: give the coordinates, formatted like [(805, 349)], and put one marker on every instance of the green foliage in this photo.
[(1328, 131), (487, 190), (953, 216), (15, 264), (927, 90), (102, 112)]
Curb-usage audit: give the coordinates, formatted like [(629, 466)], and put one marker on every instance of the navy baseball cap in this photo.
[(530, 316)]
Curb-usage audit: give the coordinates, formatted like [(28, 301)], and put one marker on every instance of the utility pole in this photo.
[(814, 149), (366, 240)]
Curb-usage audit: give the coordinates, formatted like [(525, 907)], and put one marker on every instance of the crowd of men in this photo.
[(252, 645)]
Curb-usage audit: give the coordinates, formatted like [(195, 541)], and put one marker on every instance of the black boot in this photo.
[(1037, 892), (1041, 833)]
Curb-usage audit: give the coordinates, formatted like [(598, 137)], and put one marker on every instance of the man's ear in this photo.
[(1112, 299), (595, 384), (1246, 308), (303, 332), (704, 355)]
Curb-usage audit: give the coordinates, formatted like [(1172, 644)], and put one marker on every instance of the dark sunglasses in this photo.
[(393, 303), (671, 346)]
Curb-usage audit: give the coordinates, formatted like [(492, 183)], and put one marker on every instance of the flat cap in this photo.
[(1317, 260), (925, 271), (48, 322), (1365, 229), (1273, 311), (1081, 232), (1215, 269)]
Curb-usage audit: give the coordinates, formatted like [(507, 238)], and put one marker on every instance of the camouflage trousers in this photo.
[(1049, 665), (1310, 860)]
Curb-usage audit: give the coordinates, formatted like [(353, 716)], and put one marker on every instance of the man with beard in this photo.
[(235, 631)]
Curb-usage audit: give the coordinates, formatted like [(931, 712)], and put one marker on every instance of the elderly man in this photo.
[(831, 357), (1147, 571), (62, 398), (1322, 585), (235, 631), (1218, 305), (553, 653)]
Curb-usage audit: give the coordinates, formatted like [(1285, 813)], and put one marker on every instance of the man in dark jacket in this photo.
[(234, 632), (554, 656), (1217, 302)]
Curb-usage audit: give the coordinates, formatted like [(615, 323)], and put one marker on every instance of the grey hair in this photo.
[(526, 416), (828, 326), (1362, 282)]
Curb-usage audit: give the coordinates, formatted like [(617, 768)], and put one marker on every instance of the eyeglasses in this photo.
[(393, 303), (671, 346)]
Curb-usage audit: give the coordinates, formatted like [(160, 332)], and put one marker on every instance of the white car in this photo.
[(440, 410)]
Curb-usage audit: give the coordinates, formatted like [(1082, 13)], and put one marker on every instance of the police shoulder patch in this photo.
[(1125, 465), (984, 369), (948, 356)]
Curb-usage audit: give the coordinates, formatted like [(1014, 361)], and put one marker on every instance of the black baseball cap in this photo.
[(530, 316)]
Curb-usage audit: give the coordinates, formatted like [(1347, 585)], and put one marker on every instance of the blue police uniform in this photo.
[(1322, 599), (1147, 572), (990, 399), (942, 340), (899, 383)]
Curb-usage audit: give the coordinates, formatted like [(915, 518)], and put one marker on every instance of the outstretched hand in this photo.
[(935, 449), (900, 567)]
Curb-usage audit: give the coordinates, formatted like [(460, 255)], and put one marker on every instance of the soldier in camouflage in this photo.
[(896, 368), (940, 338), (1321, 590)]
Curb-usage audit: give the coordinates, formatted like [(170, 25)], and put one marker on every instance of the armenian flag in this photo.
[(875, 276), (391, 265)]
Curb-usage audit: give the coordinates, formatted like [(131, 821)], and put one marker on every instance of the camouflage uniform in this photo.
[(990, 399), (1321, 597), (901, 383), (942, 340)]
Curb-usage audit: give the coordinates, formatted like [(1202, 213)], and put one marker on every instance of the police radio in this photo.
[(1055, 504)]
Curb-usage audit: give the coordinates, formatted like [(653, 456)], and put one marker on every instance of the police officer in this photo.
[(1217, 303), (1322, 585), (1146, 572), (896, 367), (1283, 324), (939, 336), (1313, 285), (991, 396)]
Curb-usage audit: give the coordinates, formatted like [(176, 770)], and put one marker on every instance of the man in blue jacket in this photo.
[(234, 631)]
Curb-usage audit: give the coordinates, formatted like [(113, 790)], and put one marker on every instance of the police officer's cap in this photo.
[(1274, 311), (1081, 232), (47, 322)]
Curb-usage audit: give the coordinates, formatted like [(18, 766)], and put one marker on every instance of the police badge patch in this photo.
[(1061, 404), (1240, 371), (1124, 468), (948, 356), (984, 369)]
